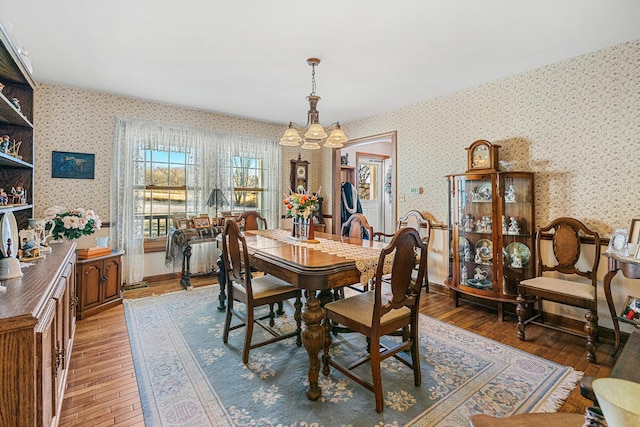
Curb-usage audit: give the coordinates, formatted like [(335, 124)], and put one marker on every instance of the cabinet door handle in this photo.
[(103, 278)]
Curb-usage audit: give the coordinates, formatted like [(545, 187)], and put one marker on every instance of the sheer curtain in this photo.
[(212, 155)]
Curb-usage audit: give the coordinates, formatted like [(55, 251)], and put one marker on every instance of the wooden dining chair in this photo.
[(416, 220), (253, 293), (358, 227), (562, 288), (374, 315), (252, 220)]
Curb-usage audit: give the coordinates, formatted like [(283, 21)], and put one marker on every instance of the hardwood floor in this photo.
[(102, 388)]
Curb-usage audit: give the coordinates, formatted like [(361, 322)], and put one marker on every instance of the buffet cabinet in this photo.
[(37, 325), (491, 234), (99, 282)]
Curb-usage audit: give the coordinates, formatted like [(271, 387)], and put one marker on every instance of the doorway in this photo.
[(378, 154)]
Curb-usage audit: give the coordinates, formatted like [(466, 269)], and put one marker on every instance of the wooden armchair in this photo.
[(375, 315), (565, 234), (253, 293)]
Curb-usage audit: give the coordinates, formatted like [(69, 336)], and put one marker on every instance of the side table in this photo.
[(98, 283), (630, 268)]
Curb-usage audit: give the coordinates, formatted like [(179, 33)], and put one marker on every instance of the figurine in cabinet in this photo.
[(4, 144), (4, 199), (468, 223), (467, 252), (516, 261), (514, 228), (510, 196), (463, 274), (18, 196)]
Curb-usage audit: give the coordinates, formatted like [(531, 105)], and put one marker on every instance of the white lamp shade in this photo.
[(619, 401), (316, 132), (290, 138), (10, 268), (336, 139), (310, 145)]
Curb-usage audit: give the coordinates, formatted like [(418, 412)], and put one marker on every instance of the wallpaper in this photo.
[(82, 121), (576, 124)]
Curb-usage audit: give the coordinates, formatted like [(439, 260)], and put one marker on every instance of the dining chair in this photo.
[(358, 227), (564, 260), (252, 220), (414, 219), (253, 293), (378, 313)]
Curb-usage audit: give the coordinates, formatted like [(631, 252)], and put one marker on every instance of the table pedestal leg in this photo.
[(313, 340)]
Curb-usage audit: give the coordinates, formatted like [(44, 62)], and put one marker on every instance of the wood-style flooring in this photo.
[(102, 388)]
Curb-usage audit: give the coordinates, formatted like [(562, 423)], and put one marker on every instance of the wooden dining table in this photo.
[(314, 271)]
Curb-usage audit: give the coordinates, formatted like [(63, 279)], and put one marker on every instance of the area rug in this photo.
[(188, 377)]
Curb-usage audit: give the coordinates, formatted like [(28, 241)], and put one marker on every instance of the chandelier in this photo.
[(313, 134)]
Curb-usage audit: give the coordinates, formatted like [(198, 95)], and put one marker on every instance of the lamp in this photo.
[(313, 133), (216, 200), (619, 400)]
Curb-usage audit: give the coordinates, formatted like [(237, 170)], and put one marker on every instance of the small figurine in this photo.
[(513, 226), (480, 275), (464, 274), (4, 144), (468, 223), (516, 261), (510, 196), (504, 225), (4, 199), (16, 103), (30, 248), (18, 196), (467, 252), (487, 224), (479, 226)]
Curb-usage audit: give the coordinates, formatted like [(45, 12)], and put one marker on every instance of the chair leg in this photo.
[(298, 317), (227, 321), (248, 334), (415, 356), (521, 311), (272, 316), (591, 329), (326, 324), (376, 376)]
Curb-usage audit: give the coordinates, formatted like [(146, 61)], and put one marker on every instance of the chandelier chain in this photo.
[(313, 80)]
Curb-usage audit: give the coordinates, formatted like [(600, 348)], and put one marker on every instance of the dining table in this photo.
[(316, 267)]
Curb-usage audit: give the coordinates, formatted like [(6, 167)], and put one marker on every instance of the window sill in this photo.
[(155, 245)]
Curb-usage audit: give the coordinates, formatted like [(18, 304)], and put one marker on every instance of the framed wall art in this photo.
[(72, 165)]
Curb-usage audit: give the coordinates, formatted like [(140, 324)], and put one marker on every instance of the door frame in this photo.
[(388, 137)]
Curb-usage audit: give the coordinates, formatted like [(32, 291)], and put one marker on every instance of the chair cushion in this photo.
[(266, 286), (360, 309), (561, 286)]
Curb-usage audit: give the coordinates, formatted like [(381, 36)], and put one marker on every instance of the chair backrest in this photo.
[(416, 220), (252, 220), (408, 246), (565, 233), (235, 256), (357, 226)]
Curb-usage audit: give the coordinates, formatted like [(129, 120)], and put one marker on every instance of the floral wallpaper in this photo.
[(83, 121), (576, 124)]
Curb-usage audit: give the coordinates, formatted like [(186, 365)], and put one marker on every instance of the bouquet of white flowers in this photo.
[(72, 223)]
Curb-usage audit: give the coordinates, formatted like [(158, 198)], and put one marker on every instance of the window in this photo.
[(248, 180), (165, 190)]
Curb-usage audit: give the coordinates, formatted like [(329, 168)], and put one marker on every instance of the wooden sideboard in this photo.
[(37, 325), (99, 283)]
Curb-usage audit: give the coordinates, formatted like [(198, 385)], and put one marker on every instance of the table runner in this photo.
[(366, 259)]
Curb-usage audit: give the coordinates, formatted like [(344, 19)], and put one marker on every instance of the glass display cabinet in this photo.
[(491, 231)]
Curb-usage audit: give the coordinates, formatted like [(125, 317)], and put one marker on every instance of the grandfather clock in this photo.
[(299, 174)]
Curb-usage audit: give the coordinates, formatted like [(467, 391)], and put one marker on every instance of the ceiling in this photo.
[(247, 58)]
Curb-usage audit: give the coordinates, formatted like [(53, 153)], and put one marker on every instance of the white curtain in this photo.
[(213, 153)]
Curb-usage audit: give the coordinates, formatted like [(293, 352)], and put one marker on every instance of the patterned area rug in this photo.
[(188, 377)]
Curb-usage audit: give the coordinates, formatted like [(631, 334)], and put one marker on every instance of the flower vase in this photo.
[(303, 229)]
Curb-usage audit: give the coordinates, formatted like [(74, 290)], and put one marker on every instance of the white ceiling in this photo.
[(248, 57)]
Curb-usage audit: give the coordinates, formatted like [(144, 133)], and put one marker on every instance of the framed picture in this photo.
[(177, 218), (634, 231), (183, 223), (619, 242), (201, 222), (631, 310), (72, 165)]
